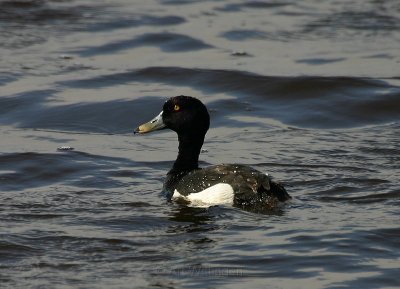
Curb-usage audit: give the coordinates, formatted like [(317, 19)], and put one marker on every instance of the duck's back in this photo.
[(244, 185)]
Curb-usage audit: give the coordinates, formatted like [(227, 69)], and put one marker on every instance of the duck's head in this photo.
[(182, 114)]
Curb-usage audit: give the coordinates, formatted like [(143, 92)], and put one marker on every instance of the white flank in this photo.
[(216, 195)]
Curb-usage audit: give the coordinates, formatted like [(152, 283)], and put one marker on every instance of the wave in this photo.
[(308, 102), (19, 171)]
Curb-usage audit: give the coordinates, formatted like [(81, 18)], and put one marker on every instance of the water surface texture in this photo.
[(308, 91)]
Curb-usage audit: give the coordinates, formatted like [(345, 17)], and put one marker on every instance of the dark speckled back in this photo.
[(249, 185)]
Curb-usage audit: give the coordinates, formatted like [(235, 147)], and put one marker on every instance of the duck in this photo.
[(237, 185)]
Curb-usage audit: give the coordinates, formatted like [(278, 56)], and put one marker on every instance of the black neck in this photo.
[(189, 149)]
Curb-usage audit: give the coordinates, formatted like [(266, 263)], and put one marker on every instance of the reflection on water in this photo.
[(315, 104)]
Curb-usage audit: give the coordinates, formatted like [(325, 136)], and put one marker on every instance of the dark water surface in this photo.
[(308, 91)]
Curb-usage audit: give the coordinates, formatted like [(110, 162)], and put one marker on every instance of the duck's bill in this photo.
[(153, 125)]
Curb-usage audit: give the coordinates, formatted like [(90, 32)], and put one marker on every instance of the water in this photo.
[(307, 91)]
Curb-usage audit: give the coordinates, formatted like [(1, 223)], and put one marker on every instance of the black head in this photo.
[(185, 114), (182, 114)]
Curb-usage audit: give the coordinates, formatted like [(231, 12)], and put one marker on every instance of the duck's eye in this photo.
[(177, 107)]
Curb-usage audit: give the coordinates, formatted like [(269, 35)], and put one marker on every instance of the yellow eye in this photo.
[(177, 107)]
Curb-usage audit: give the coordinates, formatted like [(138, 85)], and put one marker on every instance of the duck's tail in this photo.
[(277, 190)]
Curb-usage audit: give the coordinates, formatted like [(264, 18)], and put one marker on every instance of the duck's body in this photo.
[(233, 184)]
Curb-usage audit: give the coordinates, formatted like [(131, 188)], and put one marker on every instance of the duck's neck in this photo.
[(189, 149)]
